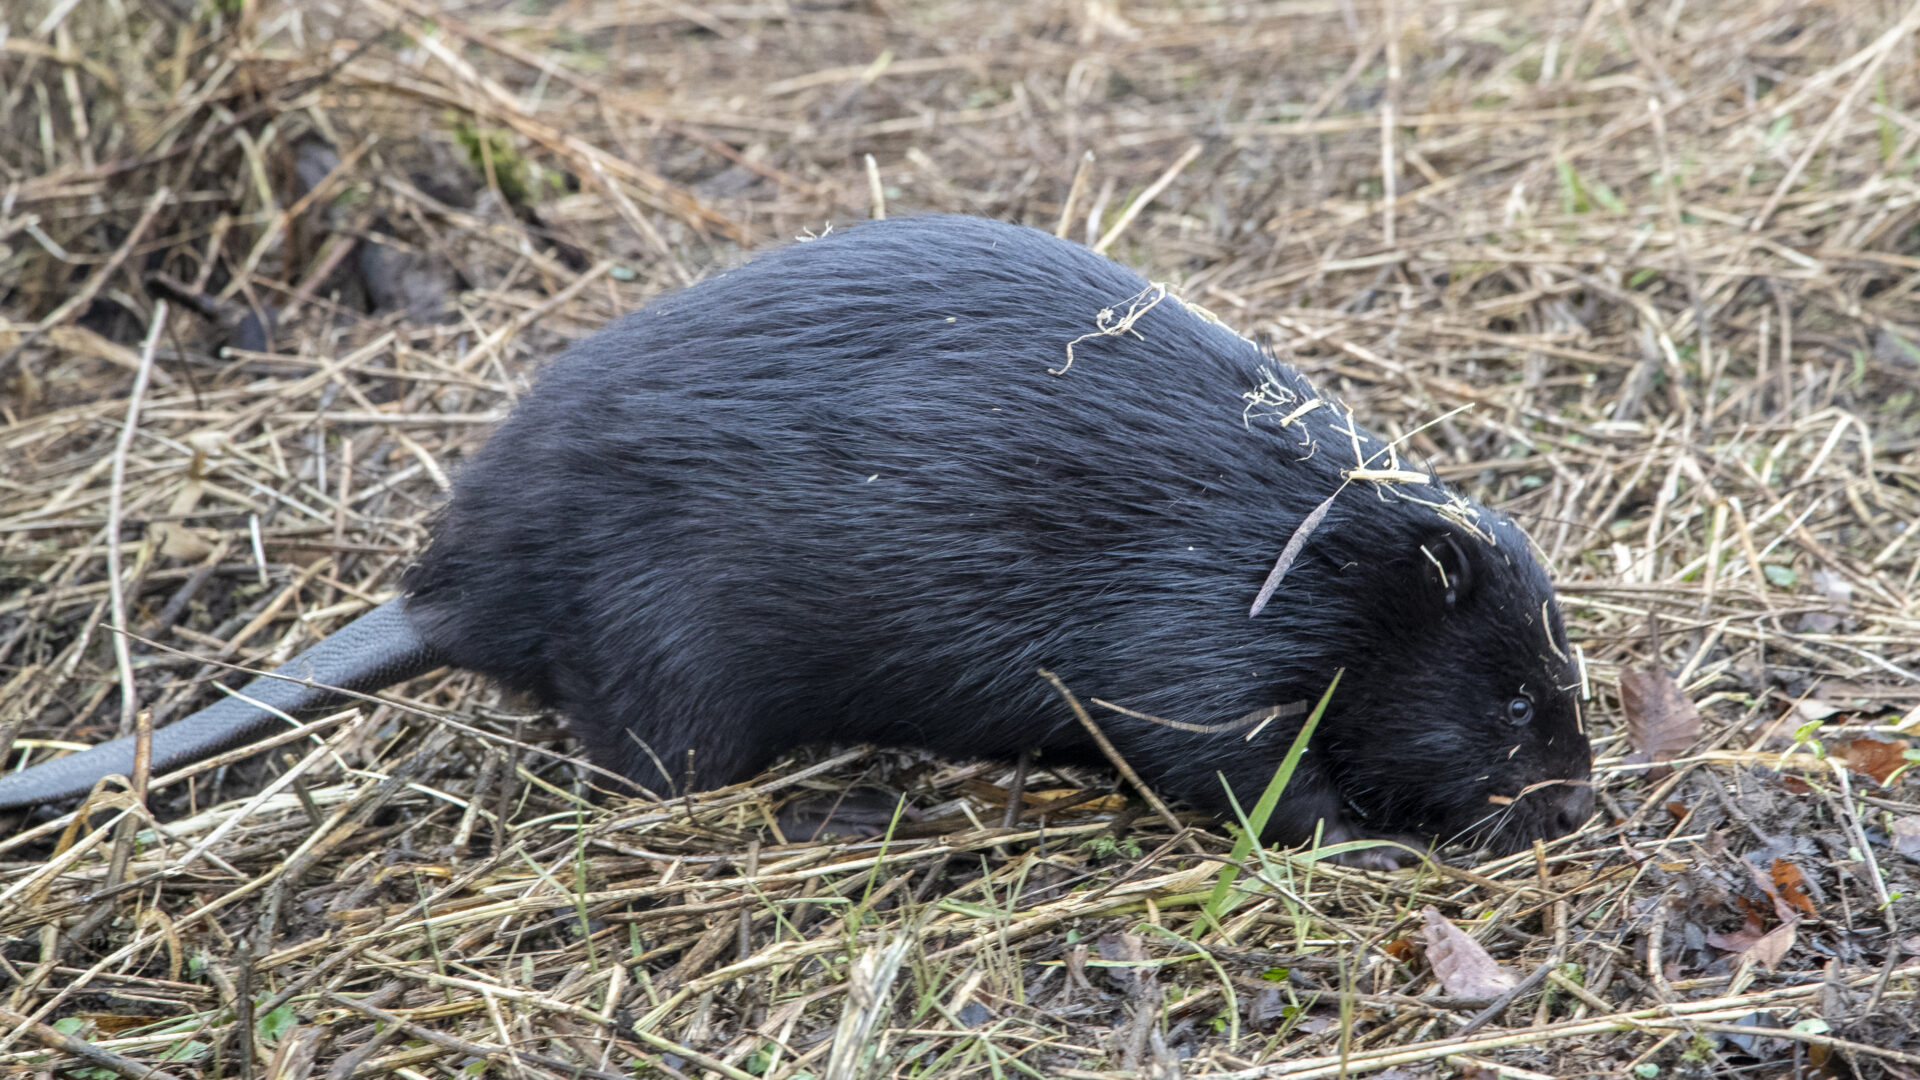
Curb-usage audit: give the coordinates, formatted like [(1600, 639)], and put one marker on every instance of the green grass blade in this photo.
[(1255, 823)]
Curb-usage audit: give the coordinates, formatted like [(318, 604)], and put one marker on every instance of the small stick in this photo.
[(346, 1064), (1113, 755), (1098, 211), (122, 656), (1486, 1016), (1133, 208), (142, 748), (124, 833), (1074, 191), (878, 192), (1389, 163), (305, 794), (243, 1008), (341, 503), (1017, 791), (752, 870), (1292, 551)]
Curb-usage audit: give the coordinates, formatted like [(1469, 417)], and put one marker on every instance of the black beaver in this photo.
[(856, 491)]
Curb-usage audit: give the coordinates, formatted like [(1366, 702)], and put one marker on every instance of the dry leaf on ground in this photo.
[(1878, 758), (1774, 945), (1661, 720), (1462, 965), (1906, 836)]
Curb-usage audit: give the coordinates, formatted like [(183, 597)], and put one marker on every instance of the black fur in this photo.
[(839, 495)]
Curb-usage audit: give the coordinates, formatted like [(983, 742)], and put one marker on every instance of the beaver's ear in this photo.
[(1447, 568)]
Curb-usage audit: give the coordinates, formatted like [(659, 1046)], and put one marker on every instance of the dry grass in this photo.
[(1668, 251)]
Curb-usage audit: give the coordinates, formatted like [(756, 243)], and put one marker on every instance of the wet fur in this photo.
[(838, 495)]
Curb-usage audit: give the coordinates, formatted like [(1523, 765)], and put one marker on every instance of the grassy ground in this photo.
[(1667, 252)]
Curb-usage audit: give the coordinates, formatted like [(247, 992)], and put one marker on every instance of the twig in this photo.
[(875, 190), (1074, 190), (117, 602), (1119, 762), (1154, 189)]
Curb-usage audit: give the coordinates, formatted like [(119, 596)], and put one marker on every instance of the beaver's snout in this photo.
[(1571, 807), (1575, 806), (1546, 811)]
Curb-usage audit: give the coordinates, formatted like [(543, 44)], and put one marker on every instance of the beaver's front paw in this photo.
[(1389, 854)]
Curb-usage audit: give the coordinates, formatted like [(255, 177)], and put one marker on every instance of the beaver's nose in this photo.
[(1572, 806)]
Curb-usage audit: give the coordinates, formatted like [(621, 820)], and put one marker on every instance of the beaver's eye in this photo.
[(1520, 710)]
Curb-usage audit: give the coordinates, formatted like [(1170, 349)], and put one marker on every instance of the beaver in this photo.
[(865, 486)]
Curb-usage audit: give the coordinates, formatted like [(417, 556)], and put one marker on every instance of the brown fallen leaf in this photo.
[(1127, 954), (173, 538), (1661, 720), (115, 1023), (1767, 949), (1774, 945), (1906, 836), (1401, 948), (1739, 941), (1464, 968), (1764, 880), (1776, 884), (1878, 758), (1755, 912), (1792, 885), (175, 541)]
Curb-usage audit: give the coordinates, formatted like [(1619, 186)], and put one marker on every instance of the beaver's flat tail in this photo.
[(371, 653)]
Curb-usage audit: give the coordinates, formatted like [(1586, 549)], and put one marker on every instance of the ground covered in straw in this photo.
[(1667, 252)]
